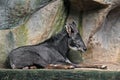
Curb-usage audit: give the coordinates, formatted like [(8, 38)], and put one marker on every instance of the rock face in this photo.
[(101, 33), (16, 12), (100, 20), (42, 21)]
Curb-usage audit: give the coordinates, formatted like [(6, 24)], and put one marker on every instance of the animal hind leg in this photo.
[(33, 67), (30, 67), (25, 67), (90, 66), (59, 66), (13, 66)]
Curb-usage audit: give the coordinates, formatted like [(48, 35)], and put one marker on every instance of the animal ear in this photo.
[(74, 27), (68, 29), (74, 23)]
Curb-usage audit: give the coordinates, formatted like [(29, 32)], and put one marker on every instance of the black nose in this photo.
[(85, 49)]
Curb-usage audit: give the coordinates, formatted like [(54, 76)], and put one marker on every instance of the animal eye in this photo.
[(77, 34)]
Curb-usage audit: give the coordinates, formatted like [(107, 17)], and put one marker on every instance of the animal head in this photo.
[(75, 41)]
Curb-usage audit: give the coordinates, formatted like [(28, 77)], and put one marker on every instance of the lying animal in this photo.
[(52, 53)]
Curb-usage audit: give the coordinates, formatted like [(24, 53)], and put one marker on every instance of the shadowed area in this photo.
[(86, 5)]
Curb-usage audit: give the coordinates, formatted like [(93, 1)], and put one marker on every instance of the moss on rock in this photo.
[(20, 34), (58, 75)]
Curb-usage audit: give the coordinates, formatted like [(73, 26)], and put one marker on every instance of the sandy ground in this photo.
[(110, 67)]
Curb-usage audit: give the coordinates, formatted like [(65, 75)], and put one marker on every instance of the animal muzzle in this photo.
[(78, 48), (82, 49)]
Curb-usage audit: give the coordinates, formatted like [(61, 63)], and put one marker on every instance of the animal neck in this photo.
[(60, 42)]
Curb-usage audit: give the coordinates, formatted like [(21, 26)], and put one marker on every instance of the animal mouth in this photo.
[(80, 49), (76, 48)]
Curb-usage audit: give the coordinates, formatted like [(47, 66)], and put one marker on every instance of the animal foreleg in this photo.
[(91, 66), (59, 66), (30, 67)]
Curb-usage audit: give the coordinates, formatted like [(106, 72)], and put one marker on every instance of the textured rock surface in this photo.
[(101, 33), (16, 12)]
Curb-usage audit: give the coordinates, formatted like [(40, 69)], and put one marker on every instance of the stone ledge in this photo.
[(41, 74)]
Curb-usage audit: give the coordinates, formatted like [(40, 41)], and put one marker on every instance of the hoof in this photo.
[(25, 68), (33, 67), (70, 67), (103, 67)]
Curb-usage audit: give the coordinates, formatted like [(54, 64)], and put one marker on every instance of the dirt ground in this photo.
[(110, 67)]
